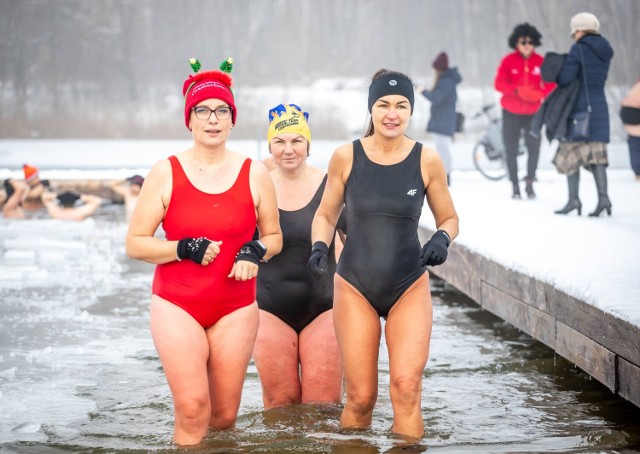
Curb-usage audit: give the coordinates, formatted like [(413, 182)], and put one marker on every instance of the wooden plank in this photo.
[(459, 271), (516, 284), (464, 268), (532, 321), (587, 354), (629, 381), (615, 334)]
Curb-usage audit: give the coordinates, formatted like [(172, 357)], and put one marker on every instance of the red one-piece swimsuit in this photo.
[(205, 292)]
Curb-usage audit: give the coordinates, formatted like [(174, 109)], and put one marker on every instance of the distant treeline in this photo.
[(114, 68)]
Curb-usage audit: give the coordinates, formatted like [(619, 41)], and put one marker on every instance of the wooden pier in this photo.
[(602, 345)]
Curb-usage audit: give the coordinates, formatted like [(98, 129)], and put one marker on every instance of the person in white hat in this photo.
[(588, 64)]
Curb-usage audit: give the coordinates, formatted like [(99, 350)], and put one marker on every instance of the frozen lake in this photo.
[(125, 156)]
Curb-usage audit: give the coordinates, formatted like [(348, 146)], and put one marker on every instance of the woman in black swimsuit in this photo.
[(382, 181), (296, 352)]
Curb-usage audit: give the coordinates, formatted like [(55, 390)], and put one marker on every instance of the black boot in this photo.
[(600, 175), (573, 182), (529, 188), (516, 191)]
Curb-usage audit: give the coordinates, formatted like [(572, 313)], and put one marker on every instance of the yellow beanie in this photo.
[(288, 118)]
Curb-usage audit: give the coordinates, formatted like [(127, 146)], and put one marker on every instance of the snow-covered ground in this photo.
[(594, 259)]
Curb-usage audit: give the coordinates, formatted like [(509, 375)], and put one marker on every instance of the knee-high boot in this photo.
[(573, 182), (600, 175)]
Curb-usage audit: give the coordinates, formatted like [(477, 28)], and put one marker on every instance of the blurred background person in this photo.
[(630, 115), (129, 190), (443, 96), (209, 201), (523, 90), (587, 63), (296, 352), (70, 206), (381, 181), (15, 193), (33, 200)]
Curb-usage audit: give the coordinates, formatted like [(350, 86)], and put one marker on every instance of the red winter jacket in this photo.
[(519, 81)]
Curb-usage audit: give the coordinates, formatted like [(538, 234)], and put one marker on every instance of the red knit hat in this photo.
[(30, 173), (207, 85), (441, 62)]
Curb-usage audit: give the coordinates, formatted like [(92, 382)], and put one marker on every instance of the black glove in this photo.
[(434, 252), (193, 248), (318, 264), (252, 251)]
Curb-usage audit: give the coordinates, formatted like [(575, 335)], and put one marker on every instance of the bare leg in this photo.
[(182, 345), (408, 334), (358, 332), (276, 357), (231, 342), (320, 361)]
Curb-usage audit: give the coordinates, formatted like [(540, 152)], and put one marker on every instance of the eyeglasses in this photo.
[(525, 42), (204, 113)]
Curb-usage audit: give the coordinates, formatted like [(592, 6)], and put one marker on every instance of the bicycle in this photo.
[(489, 155)]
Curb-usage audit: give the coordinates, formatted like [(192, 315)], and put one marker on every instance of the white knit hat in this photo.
[(584, 21)]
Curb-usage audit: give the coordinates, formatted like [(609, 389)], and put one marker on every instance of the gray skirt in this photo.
[(570, 156)]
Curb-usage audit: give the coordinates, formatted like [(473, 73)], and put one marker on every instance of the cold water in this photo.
[(79, 373)]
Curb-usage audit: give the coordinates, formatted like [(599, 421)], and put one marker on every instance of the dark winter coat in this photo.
[(555, 110), (597, 54), (443, 99)]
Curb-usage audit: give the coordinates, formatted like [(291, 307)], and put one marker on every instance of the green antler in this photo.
[(227, 65), (195, 64)]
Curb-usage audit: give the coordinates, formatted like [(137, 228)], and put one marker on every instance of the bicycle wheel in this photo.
[(488, 162)]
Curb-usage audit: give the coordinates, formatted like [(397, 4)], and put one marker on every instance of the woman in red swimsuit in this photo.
[(209, 201)]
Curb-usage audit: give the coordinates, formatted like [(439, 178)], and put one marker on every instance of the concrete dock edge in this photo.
[(604, 346)]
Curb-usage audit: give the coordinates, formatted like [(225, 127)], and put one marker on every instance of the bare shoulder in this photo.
[(344, 150), (432, 166), (343, 155), (160, 169), (269, 162), (259, 169), (158, 182), (316, 172), (429, 154)]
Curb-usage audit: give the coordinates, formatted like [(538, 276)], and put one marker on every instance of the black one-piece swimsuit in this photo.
[(383, 203), (285, 288)]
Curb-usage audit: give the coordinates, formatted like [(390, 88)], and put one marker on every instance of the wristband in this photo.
[(192, 249), (252, 251)]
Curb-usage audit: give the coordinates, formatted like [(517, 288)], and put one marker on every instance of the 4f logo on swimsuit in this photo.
[(412, 192)]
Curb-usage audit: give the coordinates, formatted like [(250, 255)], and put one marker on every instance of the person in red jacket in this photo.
[(523, 90)]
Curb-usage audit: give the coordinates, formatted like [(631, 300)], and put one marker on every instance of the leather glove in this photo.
[(318, 265), (434, 252)]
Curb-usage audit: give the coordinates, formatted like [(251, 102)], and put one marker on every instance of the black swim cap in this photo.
[(68, 199)]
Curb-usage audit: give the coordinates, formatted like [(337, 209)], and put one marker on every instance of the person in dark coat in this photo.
[(588, 63), (556, 108), (443, 97)]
